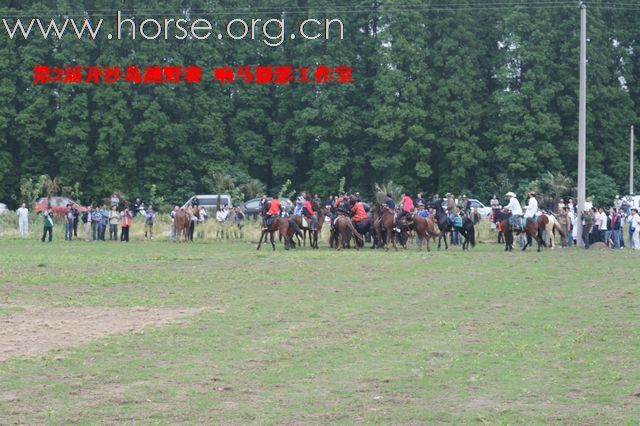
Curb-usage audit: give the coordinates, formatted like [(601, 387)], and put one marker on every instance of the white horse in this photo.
[(550, 227)]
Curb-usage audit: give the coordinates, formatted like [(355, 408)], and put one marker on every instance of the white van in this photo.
[(210, 202)]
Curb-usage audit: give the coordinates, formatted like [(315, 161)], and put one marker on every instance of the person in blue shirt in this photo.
[(104, 222), (389, 201), (421, 210)]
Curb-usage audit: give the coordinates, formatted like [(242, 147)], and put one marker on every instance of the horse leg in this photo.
[(315, 239), (273, 244), (528, 241), (386, 245), (260, 241), (393, 240)]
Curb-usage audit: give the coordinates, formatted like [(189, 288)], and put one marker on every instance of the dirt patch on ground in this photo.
[(38, 330)]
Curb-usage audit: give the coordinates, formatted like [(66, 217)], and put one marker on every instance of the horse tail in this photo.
[(355, 232), (296, 228)]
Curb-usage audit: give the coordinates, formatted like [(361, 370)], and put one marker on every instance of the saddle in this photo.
[(305, 222), (517, 222)]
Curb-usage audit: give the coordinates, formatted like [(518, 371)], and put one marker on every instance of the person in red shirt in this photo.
[(307, 210), (358, 213), (407, 203), (275, 209), (360, 218), (407, 209)]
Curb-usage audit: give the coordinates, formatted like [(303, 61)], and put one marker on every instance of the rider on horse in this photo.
[(274, 210), (515, 209), (308, 212), (407, 209), (532, 207), (359, 216), (421, 210), (300, 201), (341, 207)]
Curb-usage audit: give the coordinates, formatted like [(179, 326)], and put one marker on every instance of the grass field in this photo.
[(309, 337)]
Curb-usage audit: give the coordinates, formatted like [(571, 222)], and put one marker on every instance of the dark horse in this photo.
[(342, 232), (531, 230), (384, 222), (442, 219), (468, 232)]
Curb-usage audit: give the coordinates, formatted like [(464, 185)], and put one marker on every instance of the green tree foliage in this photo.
[(447, 96)]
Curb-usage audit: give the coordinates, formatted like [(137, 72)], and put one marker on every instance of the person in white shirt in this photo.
[(532, 206), (604, 234), (573, 234), (23, 220), (634, 223), (515, 208)]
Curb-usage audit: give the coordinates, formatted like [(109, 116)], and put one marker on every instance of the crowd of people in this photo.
[(599, 223)]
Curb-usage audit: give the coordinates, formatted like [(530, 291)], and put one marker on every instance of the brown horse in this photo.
[(293, 231), (426, 229), (531, 230), (387, 220), (343, 230), (181, 223), (280, 225)]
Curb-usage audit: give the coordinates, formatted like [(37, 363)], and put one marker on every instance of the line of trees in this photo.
[(463, 99)]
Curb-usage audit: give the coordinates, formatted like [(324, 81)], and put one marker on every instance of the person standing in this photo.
[(105, 222), (150, 217), (76, 218), (86, 220), (136, 207), (115, 200), (96, 220), (623, 219), (564, 221), (126, 224), (48, 225), (573, 228), (114, 220), (239, 221), (631, 229), (68, 223), (604, 227), (23, 220), (587, 223), (635, 225)]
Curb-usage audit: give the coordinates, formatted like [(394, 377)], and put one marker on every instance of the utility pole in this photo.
[(582, 120), (631, 165)]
